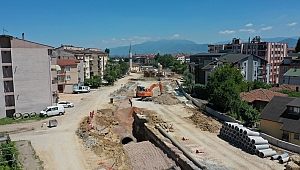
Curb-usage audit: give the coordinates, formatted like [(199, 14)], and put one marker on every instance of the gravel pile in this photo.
[(145, 156), (166, 99), (90, 141)]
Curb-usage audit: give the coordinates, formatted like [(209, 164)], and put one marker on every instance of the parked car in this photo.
[(53, 110), (81, 89), (65, 104)]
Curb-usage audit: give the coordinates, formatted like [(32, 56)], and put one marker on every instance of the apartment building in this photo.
[(252, 67), (68, 76), (290, 69), (92, 61), (273, 52), (26, 76)]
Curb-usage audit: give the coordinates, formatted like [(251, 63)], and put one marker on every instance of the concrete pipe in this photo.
[(257, 151), (127, 138), (283, 160), (274, 157), (284, 155), (230, 123), (237, 127), (249, 138), (242, 130), (184, 150), (248, 132), (267, 153), (260, 147), (259, 141)]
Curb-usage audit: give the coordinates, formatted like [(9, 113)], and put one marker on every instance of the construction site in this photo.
[(151, 125)]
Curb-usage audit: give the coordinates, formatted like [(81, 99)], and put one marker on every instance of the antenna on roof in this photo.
[(4, 31)]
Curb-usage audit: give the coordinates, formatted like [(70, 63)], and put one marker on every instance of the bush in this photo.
[(248, 114), (201, 92), (9, 157)]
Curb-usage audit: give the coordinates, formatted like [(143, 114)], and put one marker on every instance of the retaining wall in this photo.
[(221, 116), (281, 143)]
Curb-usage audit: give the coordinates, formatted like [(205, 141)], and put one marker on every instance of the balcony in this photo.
[(60, 82), (61, 73)]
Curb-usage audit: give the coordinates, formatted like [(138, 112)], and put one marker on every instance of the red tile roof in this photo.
[(260, 95), (284, 87), (67, 62)]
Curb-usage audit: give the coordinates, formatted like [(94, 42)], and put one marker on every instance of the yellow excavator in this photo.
[(146, 94)]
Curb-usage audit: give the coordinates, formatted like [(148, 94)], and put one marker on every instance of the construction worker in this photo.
[(130, 101)]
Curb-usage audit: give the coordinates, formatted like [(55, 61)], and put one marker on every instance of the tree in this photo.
[(166, 60), (200, 91), (93, 82), (224, 89), (297, 48), (124, 67), (107, 51), (248, 114), (188, 81)]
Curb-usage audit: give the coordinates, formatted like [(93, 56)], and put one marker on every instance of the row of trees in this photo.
[(168, 61), (115, 70), (223, 92)]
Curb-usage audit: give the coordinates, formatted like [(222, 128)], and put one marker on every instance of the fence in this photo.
[(281, 143)]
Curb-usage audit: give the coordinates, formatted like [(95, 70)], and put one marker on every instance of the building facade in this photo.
[(290, 64), (273, 52), (25, 83), (67, 77), (92, 60), (252, 67)]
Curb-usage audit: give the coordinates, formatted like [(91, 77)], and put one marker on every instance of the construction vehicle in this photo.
[(146, 94)]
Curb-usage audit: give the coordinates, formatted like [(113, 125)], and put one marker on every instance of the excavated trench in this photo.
[(144, 142)]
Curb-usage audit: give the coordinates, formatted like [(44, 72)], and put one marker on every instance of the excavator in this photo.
[(146, 94)]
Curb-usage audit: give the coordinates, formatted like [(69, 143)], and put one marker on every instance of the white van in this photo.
[(53, 110)]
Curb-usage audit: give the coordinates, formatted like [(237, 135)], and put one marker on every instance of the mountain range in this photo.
[(182, 46)]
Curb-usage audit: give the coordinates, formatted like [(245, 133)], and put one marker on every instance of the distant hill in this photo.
[(162, 47), (291, 41)]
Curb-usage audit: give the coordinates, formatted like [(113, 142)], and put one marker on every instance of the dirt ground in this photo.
[(100, 148), (27, 156)]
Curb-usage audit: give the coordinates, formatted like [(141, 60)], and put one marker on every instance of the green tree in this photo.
[(188, 83), (93, 82), (248, 114), (257, 85), (224, 89), (166, 60), (178, 67), (297, 48), (107, 51), (201, 91), (124, 67)]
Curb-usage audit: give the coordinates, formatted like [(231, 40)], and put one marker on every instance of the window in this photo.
[(68, 77), (296, 109), (68, 68), (285, 69), (296, 136)]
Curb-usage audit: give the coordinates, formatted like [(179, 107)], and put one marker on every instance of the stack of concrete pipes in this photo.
[(245, 138)]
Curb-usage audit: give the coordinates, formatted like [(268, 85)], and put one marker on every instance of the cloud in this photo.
[(292, 24), (176, 35), (266, 28), (249, 25), (227, 32), (247, 30)]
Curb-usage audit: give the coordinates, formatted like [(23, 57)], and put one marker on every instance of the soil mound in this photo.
[(166, 98)]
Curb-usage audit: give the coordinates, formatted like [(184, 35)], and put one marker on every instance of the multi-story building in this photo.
[(26, 76), (198, 61), (92, 61), (252, 67), (273, 52), (68, 76), (290, 69)]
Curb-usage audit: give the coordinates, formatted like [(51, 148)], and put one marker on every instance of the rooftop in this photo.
[(67, 62), (293, 72), (260, 95)]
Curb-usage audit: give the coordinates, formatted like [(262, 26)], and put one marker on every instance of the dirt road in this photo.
[(216, 150), (59, 147)]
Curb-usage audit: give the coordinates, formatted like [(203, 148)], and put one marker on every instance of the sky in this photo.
[(112, 23)]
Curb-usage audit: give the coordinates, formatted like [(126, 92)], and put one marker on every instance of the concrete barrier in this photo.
[(281, 143)]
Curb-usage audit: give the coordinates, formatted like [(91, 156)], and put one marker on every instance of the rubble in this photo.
[(166, 98)]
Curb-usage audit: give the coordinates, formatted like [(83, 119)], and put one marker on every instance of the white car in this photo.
[(65, 104), (53, 110)]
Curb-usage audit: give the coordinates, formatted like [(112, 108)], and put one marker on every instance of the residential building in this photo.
[(280, 119), (26, 76), (183, 58), (67, 77), (289, 72), (259, 98), (92, 60), (252, 67), (197, 61), (273, 52)]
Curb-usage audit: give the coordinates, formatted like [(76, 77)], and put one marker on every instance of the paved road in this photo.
[(59, 147)]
